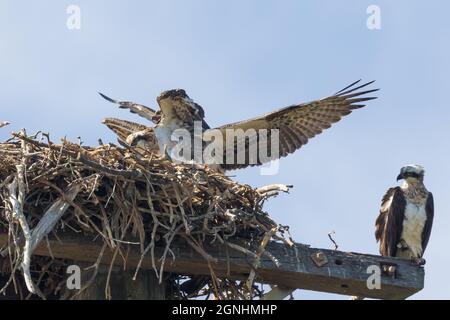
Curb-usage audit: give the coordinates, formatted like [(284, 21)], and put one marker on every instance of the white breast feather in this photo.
[(413, 224), (164, 133)]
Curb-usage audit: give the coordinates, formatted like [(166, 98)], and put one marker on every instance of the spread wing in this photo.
[(299, 123), (429, 209), (389, 224), (123, 128), (136, 108)]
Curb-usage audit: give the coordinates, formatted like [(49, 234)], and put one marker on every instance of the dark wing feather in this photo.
[(299, 123), (136, 108), (389, 224), (429, 209)]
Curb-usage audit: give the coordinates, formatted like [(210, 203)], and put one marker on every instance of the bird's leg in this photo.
[(165, 154)]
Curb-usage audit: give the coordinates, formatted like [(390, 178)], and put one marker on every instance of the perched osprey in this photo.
[(295, 124), (404, 225)]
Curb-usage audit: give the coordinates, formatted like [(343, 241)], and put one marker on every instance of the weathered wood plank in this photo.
[(122, 286), (343, 273)]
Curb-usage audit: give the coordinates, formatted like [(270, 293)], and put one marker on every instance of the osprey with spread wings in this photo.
[(295, 124)]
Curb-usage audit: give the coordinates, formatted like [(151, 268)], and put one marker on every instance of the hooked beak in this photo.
[(400, 176), (156, 119)]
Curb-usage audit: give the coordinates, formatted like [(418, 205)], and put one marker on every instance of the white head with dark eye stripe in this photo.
[(412, 173)]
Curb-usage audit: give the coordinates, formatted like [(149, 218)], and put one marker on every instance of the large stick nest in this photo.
[(118, 194)]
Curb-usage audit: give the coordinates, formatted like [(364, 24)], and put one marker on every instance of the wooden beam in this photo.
[(299, 267), (122, 286)]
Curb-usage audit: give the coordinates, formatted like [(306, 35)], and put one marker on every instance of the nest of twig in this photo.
[(117, 194)]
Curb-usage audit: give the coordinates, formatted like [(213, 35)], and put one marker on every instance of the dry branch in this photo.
[(123, 198)]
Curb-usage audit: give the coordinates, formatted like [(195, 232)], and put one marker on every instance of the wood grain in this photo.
[(343, 273)]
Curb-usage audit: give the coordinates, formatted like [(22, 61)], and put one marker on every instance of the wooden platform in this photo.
[(299, 267)]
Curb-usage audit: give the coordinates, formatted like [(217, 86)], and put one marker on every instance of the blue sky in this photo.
[(239, 59)]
